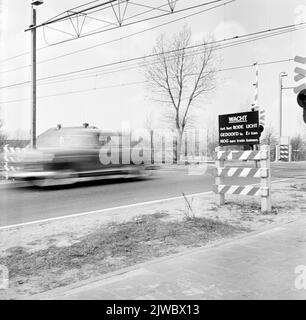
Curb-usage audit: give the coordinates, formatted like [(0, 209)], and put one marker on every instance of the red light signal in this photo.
[(301, 100)]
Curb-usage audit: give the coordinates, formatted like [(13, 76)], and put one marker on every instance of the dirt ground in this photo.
[(48, 255)]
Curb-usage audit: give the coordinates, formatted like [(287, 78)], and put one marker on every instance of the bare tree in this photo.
[(212, 143), (3, 137), (179, 79), (270, 137), (298, 147)]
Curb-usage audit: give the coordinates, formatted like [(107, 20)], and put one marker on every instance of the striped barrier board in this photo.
[(241, 190), (263, 173), (242, 172), (242, 155)]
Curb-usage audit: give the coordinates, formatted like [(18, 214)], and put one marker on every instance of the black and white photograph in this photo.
[(152, 153)]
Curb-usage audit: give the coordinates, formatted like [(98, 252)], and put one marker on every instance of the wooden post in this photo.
[(266, 205), (219, 180)]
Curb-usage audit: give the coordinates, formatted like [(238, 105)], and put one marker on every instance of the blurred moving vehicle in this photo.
[(65, 155)]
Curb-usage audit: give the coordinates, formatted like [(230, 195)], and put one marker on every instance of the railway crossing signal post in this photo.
[(280, 115)]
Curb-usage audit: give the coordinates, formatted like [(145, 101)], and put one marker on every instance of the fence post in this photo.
[(266, 205), (219, 180)]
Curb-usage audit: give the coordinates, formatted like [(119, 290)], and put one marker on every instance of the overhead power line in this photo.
[(75, 91), (140, 82), (137, 65), (140, 65), (143, 20), (245, 38), (46, 23), (114, 40), (65, 15)]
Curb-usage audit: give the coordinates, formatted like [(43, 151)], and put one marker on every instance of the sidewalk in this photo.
[(259, 266)]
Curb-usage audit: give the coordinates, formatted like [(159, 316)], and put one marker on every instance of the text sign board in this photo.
[(239, 128)]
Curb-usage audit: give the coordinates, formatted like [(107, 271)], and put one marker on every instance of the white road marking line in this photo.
[(113, 208), (103, 210)]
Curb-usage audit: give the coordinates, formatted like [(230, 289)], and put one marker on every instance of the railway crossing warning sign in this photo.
[(239, 128)]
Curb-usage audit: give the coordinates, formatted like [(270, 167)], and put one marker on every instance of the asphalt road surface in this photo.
[(24, 204)]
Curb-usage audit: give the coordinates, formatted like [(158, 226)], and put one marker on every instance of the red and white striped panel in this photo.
[(256, 85), (242, 155), (243, 172), (262, 117), (242, 190)]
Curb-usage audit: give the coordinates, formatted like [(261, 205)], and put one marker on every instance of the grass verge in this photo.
[(109, 248)]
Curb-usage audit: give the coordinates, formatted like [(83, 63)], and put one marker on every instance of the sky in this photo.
[(109, 99)]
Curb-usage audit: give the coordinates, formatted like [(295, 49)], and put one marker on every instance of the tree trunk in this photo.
[(179, 139)]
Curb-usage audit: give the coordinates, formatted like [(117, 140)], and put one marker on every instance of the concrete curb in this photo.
[(52, 294)]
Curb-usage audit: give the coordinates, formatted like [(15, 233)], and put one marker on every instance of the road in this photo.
[(21, 205)]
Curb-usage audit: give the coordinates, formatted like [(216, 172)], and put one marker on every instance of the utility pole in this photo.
[(33, 78), (281, 75), (280, 114), (33, 71)]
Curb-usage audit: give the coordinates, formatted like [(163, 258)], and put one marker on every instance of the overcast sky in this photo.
[(108, 106)]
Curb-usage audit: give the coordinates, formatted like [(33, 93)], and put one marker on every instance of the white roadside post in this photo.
[(266, 205), (219, 179)]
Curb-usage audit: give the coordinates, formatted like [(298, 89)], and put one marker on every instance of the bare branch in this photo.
[(180, 80)]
